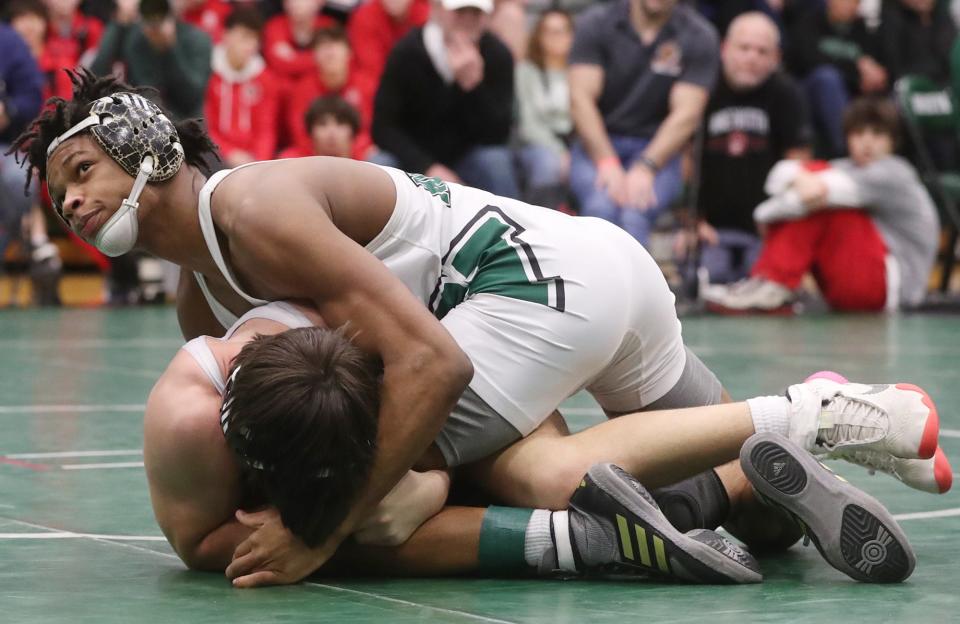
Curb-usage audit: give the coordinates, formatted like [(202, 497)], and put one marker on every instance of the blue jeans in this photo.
[(543, 175), (487, 167), (828, 98), (732, 257), (13, 203), (595, 202)]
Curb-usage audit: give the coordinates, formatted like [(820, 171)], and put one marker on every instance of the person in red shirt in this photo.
[(288, 37), (332, 125), (288, 49), (241, 101), (374, 27), (72, 37), (207, 15), (333, 74)]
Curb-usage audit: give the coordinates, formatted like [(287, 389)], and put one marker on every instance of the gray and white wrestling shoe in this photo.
[(851, 529)]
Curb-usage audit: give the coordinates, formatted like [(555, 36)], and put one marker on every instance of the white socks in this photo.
[(537, 539), (771, 414)]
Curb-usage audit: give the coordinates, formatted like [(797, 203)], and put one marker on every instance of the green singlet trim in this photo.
[(502, 537)]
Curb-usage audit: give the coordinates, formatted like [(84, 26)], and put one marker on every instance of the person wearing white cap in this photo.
[(453, 75)]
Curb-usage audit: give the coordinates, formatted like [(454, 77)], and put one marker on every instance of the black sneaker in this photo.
[(618, 531), (851, 529)]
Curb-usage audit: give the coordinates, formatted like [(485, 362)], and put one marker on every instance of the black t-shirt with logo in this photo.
[(745, 134)]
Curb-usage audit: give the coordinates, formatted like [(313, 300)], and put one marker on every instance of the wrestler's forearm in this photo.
[(215, 551), (446, 544), (415, 403)]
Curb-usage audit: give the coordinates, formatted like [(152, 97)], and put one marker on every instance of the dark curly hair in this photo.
[(300, 415), (59, 115)]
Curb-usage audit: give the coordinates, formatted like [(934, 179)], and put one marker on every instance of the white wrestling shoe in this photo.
[(752, 295), (865, 424), (933, 475)]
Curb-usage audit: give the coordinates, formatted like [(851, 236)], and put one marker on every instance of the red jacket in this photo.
[(288, 60), (83, 37), (64, 50), (241, 107), (209, 17), (309, 88), (372, 33)]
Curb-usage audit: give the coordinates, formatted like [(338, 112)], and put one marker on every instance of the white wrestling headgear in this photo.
[(135, 133)]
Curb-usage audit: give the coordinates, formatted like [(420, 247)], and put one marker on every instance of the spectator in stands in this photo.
[(544, 103), (641, 72), (21, 84), (208, 15), (159, 51), (445, 102), (333, 75), (754, 118), (836, 57), (864, 226), (917, 36), (30, 19), (288, 38), (373, 29), (241, 102), (332, 124), (72, 37)]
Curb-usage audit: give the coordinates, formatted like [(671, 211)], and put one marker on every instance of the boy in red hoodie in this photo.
[(332, 125), (241, 101), (334, 75)]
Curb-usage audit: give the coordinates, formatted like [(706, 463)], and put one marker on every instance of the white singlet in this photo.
[(543, 304)]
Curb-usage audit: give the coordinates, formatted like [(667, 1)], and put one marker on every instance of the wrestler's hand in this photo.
[(272, 555), (414, 500)]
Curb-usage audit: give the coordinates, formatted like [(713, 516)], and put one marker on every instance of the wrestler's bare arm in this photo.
[(284, 245), (193, 478)]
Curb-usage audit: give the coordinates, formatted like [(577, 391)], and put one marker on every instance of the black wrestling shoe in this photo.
[(617, 531)]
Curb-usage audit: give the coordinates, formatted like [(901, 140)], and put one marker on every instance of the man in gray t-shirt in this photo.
[(641, 72)]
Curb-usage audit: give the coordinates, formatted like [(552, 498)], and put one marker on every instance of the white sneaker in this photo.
[(841, 420), (932, 475), (750, 295)]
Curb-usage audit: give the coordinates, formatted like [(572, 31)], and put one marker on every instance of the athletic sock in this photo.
[(537, 540), (771, 414)]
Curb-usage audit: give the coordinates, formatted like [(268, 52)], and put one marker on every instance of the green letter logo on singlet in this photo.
[(434, 186), (488, 256)]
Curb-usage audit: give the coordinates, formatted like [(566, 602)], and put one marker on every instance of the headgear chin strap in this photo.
[(118, 235)]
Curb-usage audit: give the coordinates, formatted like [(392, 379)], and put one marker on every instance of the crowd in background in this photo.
[(588, 107)]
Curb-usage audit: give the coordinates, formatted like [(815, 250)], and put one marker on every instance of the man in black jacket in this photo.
[(835, 55), (445, 102)]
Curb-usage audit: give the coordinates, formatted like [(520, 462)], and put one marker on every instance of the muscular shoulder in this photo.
[(181, 424), (282, 200)]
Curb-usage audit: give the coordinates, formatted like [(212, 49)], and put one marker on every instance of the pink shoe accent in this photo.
[(931, 431), (829, 375), (942, 471)]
